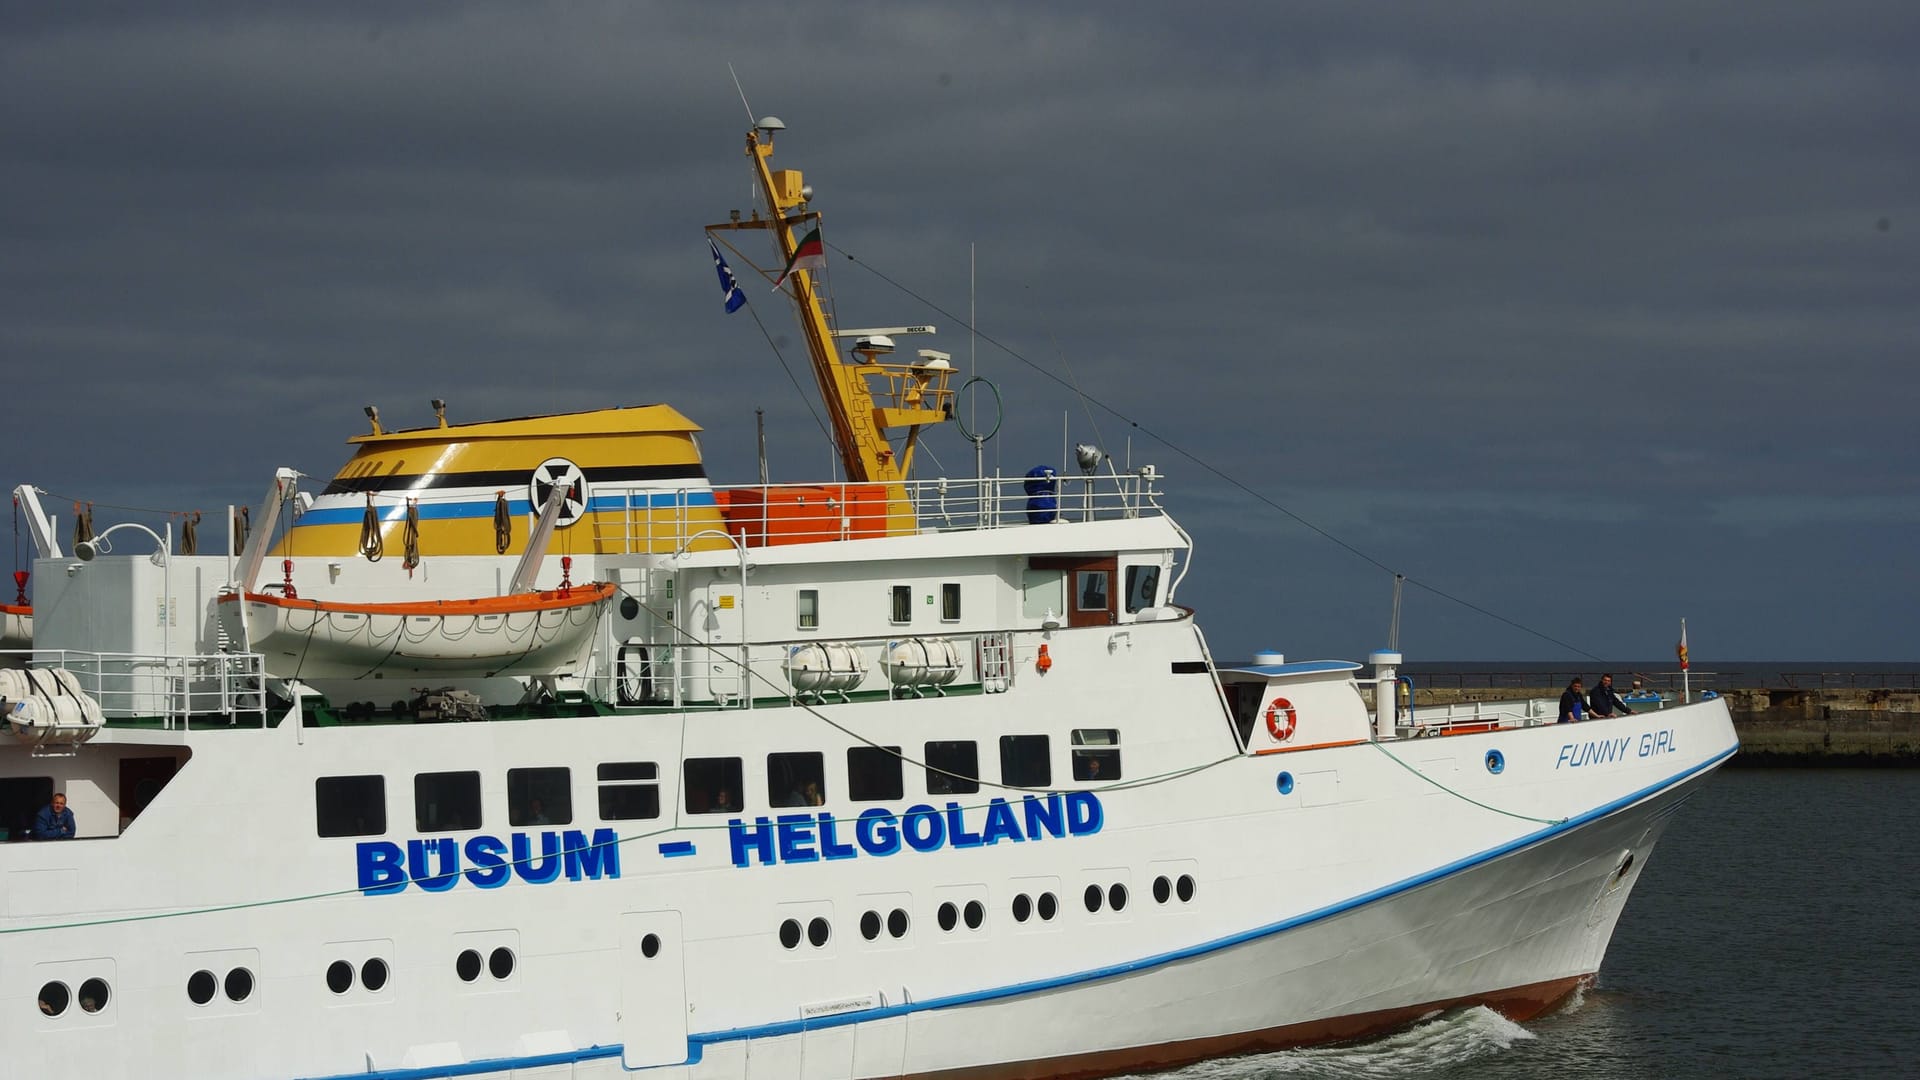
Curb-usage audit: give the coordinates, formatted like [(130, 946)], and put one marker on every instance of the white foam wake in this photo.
[(1443, 1042)]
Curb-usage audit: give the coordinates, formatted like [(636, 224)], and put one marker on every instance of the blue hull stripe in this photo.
[(675, 849), (790, 1027), (483, 508)]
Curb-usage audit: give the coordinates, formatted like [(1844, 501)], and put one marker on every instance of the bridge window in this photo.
[(950, 602), (350, 805), (953, 767), (629, 790), (1143, 586), (538, 797), (798, 779), (713, 785), (873, 774), (1024, 761), (902, 612), (1096, 755), (446, 801), (1042, 593), (807, 615)]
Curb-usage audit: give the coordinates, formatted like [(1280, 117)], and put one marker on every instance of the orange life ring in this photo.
[(1277, 709)]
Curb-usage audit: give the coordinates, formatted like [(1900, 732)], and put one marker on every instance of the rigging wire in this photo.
[(1209, 467)]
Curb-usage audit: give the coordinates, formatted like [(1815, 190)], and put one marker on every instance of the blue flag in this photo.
[(735, 298)]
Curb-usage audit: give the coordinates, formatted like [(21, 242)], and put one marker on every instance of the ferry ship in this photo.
[(521, 749)]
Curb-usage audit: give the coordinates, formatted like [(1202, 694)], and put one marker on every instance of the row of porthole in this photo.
[(1182, 887), (373, 975), (818, 933), (1046, 905), (897, 924), (203, 984), (975, 914), (55, 997), (499, 963)]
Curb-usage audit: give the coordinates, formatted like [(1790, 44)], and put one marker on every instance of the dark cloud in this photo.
[(1596, 317)]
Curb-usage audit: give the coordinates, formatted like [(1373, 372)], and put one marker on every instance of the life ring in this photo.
[(1280, 719)]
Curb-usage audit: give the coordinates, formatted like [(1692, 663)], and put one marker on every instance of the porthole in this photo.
[(629, 608), (1184, 888), (790, 934), (650, 946), (897, 923), (501, 962), (1047, 906), (467, 965), (1022, 908), (949, 916), (239, 984), (1284, 783), (201, 986), (1496, 762), (1117, 897), (339, 976), (54, 998), (1093, 897), (373, 974), (870, 925), (975, 914), (93, 995), (1162, 889), (818, 932)]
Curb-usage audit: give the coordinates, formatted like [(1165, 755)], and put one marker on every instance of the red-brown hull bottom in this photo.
[(1517, 1003)]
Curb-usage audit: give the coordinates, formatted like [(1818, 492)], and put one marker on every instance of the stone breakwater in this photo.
[(1784, 727)]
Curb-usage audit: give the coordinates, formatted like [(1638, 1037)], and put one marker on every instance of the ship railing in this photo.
[(712, 675), (172, 690), (662, 521), (1460, 718)]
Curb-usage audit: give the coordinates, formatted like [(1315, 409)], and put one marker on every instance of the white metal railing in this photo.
[(660, 522), (710, 674), (172, 689)]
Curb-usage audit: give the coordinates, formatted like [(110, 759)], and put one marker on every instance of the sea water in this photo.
[(1775, 933)]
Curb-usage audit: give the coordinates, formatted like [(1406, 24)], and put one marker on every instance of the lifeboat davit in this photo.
[(535, 633), (16, 626)]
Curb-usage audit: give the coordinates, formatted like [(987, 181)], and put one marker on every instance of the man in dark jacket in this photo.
[(1573, 703), (1605, 702), (54, 821)]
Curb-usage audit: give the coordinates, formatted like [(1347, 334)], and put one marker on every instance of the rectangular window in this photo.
[(1143, 586), (347, 805), (902, 612), (1090, 590), (713, 785), (950, 602), (798, 779), (1024, 761), (807, 613), (1096, 755), (873, 774), (538, 797), (1042, 593), (629, 790), (953, 767), (446, 801)]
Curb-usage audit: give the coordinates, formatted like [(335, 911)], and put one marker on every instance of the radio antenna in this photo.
[(743, 93)]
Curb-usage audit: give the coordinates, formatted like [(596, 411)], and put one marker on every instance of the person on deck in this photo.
[(54, 821), (1573, 702), (1605, 701)]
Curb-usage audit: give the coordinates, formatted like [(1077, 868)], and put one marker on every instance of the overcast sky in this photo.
[(1594, 316)]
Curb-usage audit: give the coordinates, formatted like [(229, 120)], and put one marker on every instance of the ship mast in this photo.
[(909, 396)]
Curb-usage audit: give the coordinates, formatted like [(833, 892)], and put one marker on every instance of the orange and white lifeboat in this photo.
[(534, 633), (16, 626)]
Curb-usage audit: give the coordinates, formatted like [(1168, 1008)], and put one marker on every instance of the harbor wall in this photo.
[(1818, 727)]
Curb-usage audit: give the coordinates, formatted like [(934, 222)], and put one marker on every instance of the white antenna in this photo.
[(742, 90)]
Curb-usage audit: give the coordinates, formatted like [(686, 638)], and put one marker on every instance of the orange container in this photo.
[(804, 513)]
